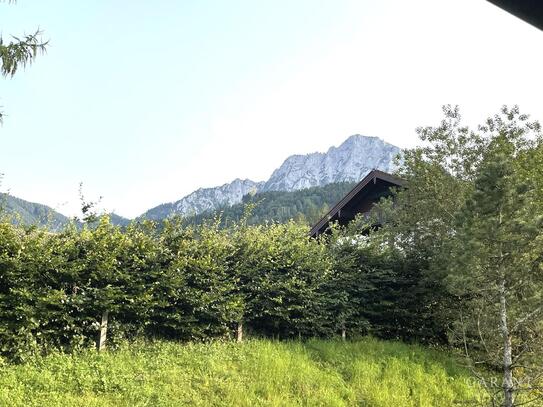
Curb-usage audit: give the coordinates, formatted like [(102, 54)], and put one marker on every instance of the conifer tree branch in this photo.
[(21, 52)]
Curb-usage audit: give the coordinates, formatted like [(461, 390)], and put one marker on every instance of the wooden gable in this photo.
[(360, 199)]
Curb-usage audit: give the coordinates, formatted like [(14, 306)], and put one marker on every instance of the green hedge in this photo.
[(184, 283), (196, 283)]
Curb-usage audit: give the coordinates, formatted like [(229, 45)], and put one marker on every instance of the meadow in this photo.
[(366, 372)]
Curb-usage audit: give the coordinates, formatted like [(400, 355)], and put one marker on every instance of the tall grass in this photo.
[(256, 373)]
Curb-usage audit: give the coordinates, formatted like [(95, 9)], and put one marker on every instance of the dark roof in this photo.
[(367, 192), (530, 11)]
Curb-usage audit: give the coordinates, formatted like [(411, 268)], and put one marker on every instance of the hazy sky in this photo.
[(145, 101)]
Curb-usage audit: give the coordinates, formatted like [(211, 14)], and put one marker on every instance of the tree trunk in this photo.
[(508, 390), (343, 334), (240, 332), (103, 333)]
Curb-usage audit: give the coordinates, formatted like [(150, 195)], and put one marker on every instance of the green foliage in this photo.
[(177, 282), (20, 52), (380, 290), (256, 373), (196, 283), (496, 252), (471, 219), (193, 292), (439, 175), (459, 253), (281, 274)]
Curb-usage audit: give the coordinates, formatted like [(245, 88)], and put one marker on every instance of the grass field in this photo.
[(256, 373)]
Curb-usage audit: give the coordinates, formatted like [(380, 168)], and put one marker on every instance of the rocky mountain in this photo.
[(205, 199), (349, 162)]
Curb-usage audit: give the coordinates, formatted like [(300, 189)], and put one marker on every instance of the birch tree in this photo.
[(472, 213), (495, 260)]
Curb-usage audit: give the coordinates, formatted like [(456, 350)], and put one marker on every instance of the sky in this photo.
[(146, 101)]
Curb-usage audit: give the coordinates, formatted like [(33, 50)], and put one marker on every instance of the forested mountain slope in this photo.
[(306, 205), (28, 213), (22, 212)]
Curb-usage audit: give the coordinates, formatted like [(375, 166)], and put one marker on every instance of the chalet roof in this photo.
[(360, 199)]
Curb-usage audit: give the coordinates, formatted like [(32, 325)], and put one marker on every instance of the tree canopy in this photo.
[(472, 215)]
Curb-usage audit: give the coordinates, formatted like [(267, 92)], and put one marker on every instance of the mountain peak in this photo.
[(349, 162), (361, 140), (357, 137)]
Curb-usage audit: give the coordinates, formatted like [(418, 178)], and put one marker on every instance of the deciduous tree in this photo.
[(496, 253)]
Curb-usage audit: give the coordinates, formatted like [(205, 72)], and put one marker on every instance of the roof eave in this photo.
[(373, 175)]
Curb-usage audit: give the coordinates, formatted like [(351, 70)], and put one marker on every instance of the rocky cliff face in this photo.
[(349, 162), (205, 199)]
